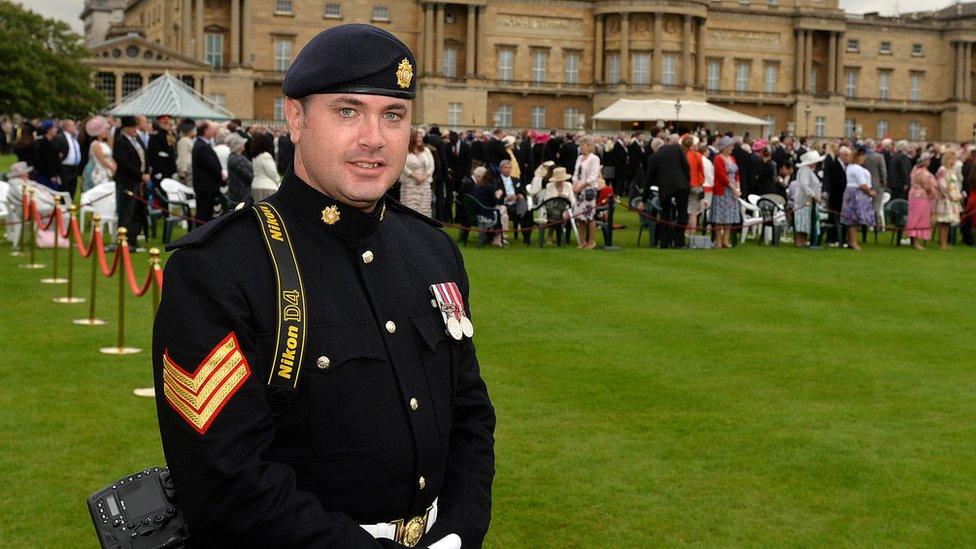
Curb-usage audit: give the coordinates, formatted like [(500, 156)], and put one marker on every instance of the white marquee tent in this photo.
[(170, 95), (652, 110)]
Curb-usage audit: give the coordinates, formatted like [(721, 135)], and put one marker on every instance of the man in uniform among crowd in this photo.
[(387, 438)]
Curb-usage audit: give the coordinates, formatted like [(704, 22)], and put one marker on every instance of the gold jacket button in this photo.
[(422, 483), (390, 326), (323, 363), (414, 404), (367, 256)]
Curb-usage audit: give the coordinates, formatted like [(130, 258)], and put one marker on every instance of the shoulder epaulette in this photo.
[(395, 205), (200, 235)]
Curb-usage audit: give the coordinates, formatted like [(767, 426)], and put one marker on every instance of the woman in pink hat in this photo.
[(103, 167)]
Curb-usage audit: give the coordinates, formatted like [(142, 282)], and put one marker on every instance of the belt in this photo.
[(404, 532)]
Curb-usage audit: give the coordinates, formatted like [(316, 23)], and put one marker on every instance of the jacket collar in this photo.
[(321, 209)]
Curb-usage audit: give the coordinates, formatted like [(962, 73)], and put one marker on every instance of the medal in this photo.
[(454, 328), (466, 327)]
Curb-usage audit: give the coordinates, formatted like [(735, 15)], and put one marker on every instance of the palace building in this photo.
[(803, 65)]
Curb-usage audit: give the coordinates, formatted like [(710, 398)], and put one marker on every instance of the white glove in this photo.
[(450, 541)]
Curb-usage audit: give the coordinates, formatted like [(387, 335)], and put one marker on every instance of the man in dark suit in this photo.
[(616, 158), (568, 152), (476, 145), (834, 183), (899, 178), (439, 150), (206, 171), (162, 151), (525, 157), (743, 158), (668, 169), (636, 156), (131, 176), (458, 166), (494, 149), (286, 152), (70, 151)]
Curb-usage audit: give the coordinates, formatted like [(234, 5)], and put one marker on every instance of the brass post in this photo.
[(31, 264), (54, 279), (154, 267), (91, 320), (70, 298), (121, 349)]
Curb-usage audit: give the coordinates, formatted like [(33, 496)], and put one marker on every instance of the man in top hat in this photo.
[(372, 427), (69, 149), (131, 176), (162, 151)]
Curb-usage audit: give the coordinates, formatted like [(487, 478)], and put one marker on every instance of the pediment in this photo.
[(135, 50)]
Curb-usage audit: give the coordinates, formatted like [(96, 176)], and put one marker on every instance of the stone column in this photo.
[(841, 77), (185, 25), (967, 73), (439, 39), (598, 50), (701, 62), (198, 28), (656, 62), (832, 64), (956, 71), (798, 79), (624, 47), (808, 63), (246, 35), (235, 33), (686, 72), (118, 87), (428, 39), (479, 60), (470, 42)]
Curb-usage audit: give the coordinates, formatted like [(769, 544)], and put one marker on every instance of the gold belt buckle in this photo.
[(410, 533)]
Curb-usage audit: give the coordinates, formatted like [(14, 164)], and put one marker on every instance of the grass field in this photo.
[(754, 396)]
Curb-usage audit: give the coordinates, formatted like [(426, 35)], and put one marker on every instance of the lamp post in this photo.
[(806, 129), (677, 113)]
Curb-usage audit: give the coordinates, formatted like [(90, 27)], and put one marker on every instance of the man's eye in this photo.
[(393, 116), (346, 113)]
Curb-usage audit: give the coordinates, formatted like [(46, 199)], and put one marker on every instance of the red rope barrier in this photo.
[(137, 290)]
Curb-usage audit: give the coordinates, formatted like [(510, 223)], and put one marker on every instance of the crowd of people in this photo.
[(502, 183)]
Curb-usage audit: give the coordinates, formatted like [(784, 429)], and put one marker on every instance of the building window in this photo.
[(572, 119), (915, 87), (714, 74), (571, 63), (503, 116), (506, 63), (283, 6), (814, 73), (105, 83), (850, 80), (849, 127), (450, 62), (282, 54), (279, 108), (770, 127), (820, 127), (214, 55), (853, 45), (333, 11), (130, 83), (917, 50), (742, 76), (538, 117), (642, 68), (915, 131), (540, 62), (613, 68), (381, 13), (882, 129), (771, 78), (218, 99), (885, 48), (454, 114), (669, 69), (188, 80), (884, 84)]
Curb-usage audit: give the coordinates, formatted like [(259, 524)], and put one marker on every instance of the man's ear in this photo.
[(295, 116)]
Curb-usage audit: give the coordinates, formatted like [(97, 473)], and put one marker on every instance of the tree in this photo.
[(43, 73)]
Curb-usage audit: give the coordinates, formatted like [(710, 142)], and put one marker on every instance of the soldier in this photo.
[(334, 400)]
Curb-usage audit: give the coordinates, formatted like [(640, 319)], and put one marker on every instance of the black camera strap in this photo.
[(290, 338)]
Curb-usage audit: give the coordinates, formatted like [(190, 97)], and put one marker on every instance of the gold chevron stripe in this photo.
[(197, 400), (201, 420), (196, 379)]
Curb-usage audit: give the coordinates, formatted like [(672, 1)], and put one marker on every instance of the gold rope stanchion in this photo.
[(54, 278), (32, 226), (91, 320), (20, 235), (150, 392), (121, 349), (70, 298)]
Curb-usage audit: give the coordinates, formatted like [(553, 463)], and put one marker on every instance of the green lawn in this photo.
[(755, 396)]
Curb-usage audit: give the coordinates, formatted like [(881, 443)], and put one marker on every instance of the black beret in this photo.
[(353, 58)]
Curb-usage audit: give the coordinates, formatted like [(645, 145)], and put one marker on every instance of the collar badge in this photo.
[(330, 215)]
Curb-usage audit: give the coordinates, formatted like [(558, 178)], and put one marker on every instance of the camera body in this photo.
[(139, 511)]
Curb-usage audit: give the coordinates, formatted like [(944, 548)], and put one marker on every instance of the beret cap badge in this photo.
[(404, 74)]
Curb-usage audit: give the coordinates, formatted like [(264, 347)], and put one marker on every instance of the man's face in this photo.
[(506, 170), (142, 123), (164, 124), (352, 147), (68, 126)]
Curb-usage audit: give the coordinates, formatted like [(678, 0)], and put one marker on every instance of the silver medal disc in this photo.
[(466, 327), (454, 328)]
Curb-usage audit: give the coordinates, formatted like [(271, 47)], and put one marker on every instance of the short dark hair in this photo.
[(261, 142)]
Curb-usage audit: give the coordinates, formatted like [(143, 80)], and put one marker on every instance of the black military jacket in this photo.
[(354, 445)]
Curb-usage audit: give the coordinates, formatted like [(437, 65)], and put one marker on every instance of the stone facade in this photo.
[(804, 65)]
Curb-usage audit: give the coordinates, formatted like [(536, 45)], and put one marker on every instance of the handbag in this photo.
[(589, 194)]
